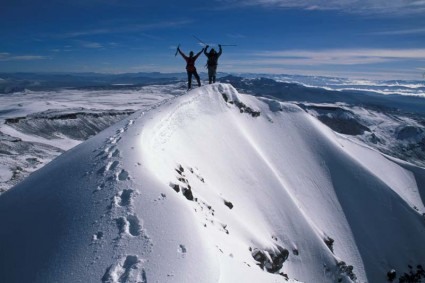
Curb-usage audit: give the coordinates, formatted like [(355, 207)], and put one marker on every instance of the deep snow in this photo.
[(201, 188)]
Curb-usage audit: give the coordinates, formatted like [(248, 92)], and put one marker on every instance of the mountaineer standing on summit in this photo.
[(212, 62), (190, 66)]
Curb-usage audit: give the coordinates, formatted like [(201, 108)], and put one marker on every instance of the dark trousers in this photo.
[(212, 70), (189, 78)]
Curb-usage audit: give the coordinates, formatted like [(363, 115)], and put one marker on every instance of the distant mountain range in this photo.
[(16, 82)]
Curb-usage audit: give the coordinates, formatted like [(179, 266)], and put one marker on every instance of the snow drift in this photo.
[(215, 186)]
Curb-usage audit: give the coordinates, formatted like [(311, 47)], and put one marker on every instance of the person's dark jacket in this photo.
[(212, 56), (190, 61)]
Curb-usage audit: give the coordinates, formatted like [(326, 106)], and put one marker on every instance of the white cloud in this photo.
[(401, 32), (350, 6), (9, 57), (92, 45), (337, 56), (125, 29), (360, 63)]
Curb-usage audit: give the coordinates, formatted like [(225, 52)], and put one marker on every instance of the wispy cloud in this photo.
[(91, 45), (400, 32), (337, 56), (125, 29), (350, 6), (9, 57)]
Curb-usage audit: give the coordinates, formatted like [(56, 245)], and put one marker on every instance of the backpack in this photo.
[(190, 64), (212, 60)]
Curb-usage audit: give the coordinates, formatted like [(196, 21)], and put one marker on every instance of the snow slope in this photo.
[(215, 186)]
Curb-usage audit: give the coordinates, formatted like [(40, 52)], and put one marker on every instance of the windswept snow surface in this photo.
[(215, 186)]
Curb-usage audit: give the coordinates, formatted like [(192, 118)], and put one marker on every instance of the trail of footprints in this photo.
[(127, 268)]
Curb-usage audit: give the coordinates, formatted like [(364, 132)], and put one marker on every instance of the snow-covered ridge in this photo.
[(215, 186)]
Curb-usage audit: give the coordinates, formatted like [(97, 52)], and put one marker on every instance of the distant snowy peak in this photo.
[(215, 186)]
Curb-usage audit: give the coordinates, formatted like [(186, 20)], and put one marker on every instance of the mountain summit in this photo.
[(215, 186)]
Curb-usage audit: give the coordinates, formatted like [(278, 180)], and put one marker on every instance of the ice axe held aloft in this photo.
[(177, 50), (202, 42)]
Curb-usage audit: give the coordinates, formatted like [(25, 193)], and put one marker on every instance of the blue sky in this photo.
[(347, 38)]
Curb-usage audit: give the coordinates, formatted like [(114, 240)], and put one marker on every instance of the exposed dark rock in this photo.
[(329, 242), (270, 260), (246, 109), (228, 204), (242, 107), (391, 275), (15, 120), (187, 193), (175, 187), (225, 97), (346, 269), (180, 168), (413, 276)]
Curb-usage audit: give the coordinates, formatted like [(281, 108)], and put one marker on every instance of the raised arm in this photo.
[(199, 53), (220, 50), (181, 53), (205, 50)]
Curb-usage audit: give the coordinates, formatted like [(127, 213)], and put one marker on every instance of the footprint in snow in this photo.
[(101, 153), (112, 165), (116, 153), (123, 175), (115, 140), (129, 225), (125, 197), (128, 125), (108, 167), (109, 149), (135, 227), (102, 170), (126, 270)]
